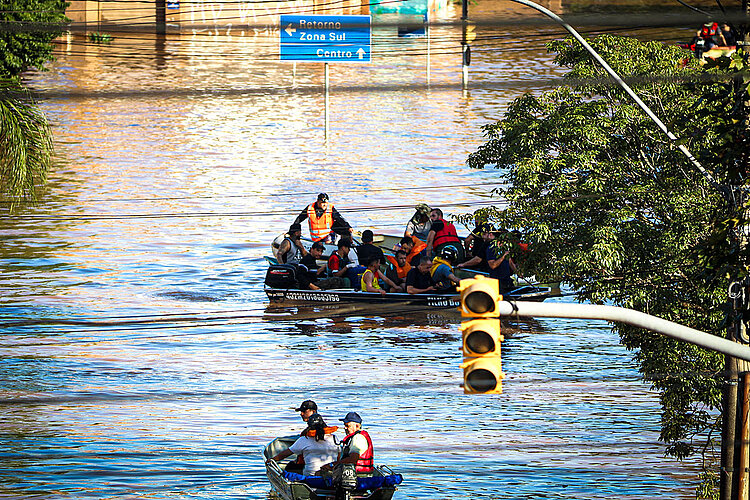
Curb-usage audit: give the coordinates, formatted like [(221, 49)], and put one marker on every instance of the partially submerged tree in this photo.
[(614, 210)]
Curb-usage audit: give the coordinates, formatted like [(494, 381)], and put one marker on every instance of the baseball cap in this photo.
[(307, 405), (352, 417), (295, 227), (322, 197)]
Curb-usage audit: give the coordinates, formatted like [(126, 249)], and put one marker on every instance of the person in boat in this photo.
[(291, 250), (443, 234), (339, 263), (367, 250), (316, 446), (501, 263), (418, 279), (305, 410), (356, 447), (414, 248), (324, 220), (369, 281), (419, 225), (729, 35), (397, 270), (478, 260), (310, 275), (442, 270)]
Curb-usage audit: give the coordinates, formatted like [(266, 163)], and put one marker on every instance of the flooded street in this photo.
[(140, 356)]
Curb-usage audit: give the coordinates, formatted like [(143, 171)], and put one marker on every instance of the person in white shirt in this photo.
[(316, 446)]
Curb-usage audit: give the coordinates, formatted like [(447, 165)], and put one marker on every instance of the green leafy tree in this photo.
[(25, 143), (610, 207), (27, 29)]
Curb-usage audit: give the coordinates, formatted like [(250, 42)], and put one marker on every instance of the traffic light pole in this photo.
[(627, 316)]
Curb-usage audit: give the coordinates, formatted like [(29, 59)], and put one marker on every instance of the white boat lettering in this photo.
[(312, 296)]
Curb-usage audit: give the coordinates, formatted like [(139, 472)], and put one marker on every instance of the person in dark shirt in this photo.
[(501, 265), (367, 250), (478, 260), (310, 274), (325, 221), (418, 279)]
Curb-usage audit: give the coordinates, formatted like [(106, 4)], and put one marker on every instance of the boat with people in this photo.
[(380, 484)]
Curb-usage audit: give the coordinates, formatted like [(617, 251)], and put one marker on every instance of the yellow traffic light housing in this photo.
[(482, 375), (481, 338), (481, 341), (479, 297)]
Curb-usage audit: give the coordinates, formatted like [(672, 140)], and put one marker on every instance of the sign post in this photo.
[(314, 38)]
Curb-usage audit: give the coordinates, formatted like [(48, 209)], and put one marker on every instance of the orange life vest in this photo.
[(329, 430), (400, 271), (320, 227), (419, 245), (365, 460)]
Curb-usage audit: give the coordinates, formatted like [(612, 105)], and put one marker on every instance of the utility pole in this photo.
[(161, 17)]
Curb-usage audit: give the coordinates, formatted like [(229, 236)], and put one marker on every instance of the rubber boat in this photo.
[(380, 485)]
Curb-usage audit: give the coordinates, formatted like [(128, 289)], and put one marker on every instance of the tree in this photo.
[(610, 207), (27, 29), (25, 143)]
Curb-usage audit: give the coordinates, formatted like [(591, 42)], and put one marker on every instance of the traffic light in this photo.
[(481, 338)]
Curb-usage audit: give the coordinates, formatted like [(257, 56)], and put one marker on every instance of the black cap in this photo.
[(307, 405), (352, 417), (322, 197), (295, 227)]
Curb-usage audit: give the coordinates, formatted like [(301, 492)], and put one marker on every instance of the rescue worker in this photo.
[(501, 264), (418, 280), (442, 270), (442, 234), (356, 446), (397, 270), (324, 220), (414, 248), (291, 250), (419, 224)]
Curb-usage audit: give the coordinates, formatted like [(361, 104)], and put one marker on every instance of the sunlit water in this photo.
[(140, 357)]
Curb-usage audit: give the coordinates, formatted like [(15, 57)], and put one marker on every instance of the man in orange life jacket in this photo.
[(325, 221), (356, 446), (442, 234)]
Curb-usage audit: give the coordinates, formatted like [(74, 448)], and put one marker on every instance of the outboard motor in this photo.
[(345, 481)]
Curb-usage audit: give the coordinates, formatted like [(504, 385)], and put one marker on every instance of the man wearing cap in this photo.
[(307, 408), (325, 221), (419, 224), (356, 446), (483, 235), (291, 250)]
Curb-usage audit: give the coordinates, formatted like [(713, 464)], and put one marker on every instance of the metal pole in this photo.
[(744, 436), (326, 106), (161, 17), (627, 316), (624, 86)]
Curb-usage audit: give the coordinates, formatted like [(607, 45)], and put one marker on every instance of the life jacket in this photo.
[(709, 30), (446, 235), (375, 284), (365, 460), (437, 262), (419, 245), (320, 227), (311, 432), (400, 271)]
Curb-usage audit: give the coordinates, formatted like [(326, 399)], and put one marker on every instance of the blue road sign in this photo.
[(324, 38)]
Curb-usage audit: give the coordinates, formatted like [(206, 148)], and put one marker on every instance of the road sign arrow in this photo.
[(361, 53), (289, 30)]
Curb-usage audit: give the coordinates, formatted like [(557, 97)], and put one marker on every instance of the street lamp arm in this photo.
[(624, 86), (627, 316)]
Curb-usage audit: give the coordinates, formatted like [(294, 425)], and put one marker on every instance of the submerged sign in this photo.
[(324, 38)]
